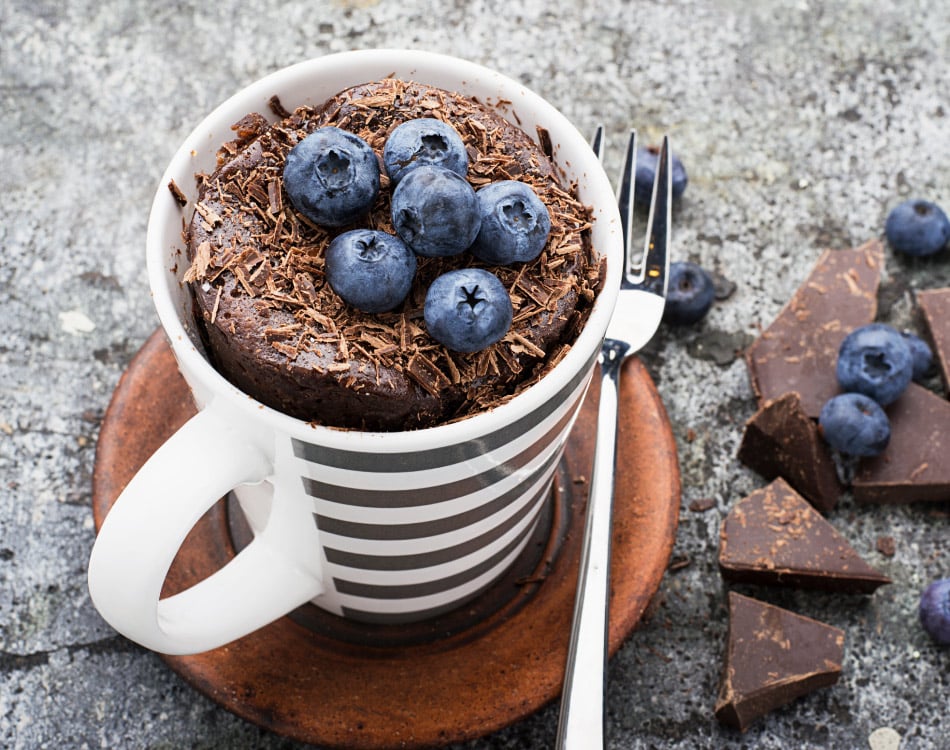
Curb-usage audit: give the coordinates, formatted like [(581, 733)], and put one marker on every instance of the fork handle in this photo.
[(581, 722)]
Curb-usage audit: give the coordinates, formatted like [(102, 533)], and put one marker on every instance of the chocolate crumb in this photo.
[(702, 504), (679, 562), (277, 108), (177, 193), (886, 546)]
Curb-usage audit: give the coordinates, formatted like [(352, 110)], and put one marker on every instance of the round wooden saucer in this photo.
[(316, 678)]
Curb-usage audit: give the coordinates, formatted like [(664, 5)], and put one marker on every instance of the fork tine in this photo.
[(625, 200), (597, 142), (656, 253)]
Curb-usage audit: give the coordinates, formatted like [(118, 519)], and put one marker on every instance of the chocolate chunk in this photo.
[(780, 440), (250, 126), (934, 304), (773, 657), (914, 466), (774, 536), (798, 351)]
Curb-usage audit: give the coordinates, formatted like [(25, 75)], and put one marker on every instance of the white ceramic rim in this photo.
[(572, 152)]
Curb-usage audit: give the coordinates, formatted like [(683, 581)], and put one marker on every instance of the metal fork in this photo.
[(636, 318)]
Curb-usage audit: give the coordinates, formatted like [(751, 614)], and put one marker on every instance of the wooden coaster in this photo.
[(316, 678)]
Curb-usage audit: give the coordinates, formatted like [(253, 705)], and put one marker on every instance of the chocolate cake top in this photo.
[(257, 264)]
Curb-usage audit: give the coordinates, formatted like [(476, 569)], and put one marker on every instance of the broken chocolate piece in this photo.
[(773, 657), (914, 466), (544, 139), (774, 536), (934, 304), (780, 440), (798, 351)]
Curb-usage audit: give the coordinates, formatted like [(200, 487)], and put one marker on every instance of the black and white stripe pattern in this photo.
[(409, 535)]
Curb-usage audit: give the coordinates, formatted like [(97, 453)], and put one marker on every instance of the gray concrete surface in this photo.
[(800, 123)]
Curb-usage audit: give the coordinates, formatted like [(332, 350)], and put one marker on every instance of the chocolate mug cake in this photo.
[(276, 329)]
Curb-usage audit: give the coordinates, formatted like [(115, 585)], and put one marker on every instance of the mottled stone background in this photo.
[(801, 124)]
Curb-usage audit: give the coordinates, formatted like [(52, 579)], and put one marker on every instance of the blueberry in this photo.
[(647, 159), (467, 310), (514, 223), (855, 425), (689, 294), (332, 177), (935, 611), (369, 269), (435, 211), (424, 141), (875, 360), (921, 355), (917, 227)]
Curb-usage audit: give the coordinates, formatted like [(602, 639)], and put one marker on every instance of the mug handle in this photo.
[(207, 457)]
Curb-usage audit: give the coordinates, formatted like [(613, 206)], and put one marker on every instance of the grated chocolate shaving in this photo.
[(544, 138), (425, 373), (521, 344), (199, 264), (211, 218)]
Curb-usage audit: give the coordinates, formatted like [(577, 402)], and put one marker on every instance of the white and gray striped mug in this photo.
[(383, 527)]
